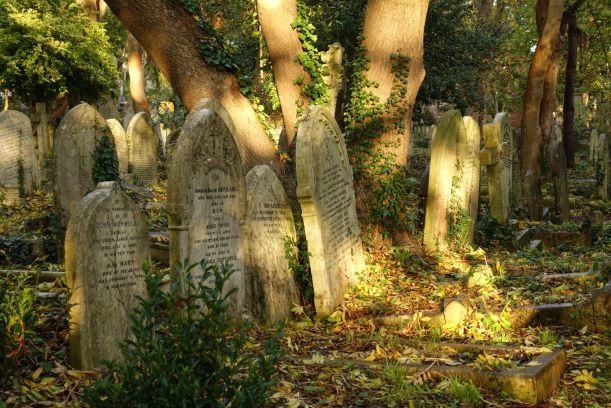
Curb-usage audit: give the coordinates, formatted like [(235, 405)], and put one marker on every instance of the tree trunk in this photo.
[(568, 124), (284, 47), (484, 9), (530, 149), (170, 36), (395, 27), (137, 82)]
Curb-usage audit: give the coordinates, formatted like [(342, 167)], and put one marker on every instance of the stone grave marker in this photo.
[(207, 198), (497, 156), (603, 167), (593, 146), (120, 138), (451, 133), (106, 246), (332, 60), (468, 185), (18, 170), (270, 223), (142, 149), (77, 135), (517, 193), (559, 175), (326, 194)]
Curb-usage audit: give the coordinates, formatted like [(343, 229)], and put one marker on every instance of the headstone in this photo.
[(593, 146), (498, 141), (106, 246), (603, 167), (142, 149), (517, 193), (451, 133), (468, 185), (18, 171), (77, 135), (559, 175), (120, 138), (431, 136), (326, 194), (332, 60), (207, 198), (42, 134), (270, 223)]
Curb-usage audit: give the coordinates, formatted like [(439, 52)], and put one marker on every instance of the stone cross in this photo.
[(207, 197), (326, 194), (270, 224), (18, 170), (120, 138), (106, 247), (142, 149), (497, 157), (77, 135)]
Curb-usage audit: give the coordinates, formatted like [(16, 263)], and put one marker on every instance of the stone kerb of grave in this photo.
[(77, 135), (497, 157), (18, 170), (207, 198), (106, 246), (270, 224), (143, 143), (326, 194), (120, 138)]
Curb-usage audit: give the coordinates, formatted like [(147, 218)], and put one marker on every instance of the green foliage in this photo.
[(459, 218), (105, 161), (488, 229), (15, 250), (185, 350), (402, 390), (51, 48), (465, 392), (298, 257)]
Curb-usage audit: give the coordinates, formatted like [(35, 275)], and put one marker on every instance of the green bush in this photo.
[(185, 351), (105, 161)]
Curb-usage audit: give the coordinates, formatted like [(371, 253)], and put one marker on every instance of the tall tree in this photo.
[(137, 82), (395, 28), (549, 16)]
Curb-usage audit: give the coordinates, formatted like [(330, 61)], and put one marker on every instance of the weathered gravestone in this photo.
[(77, 135), (106, 246), (468, 183), (497, 157), (603, 167), (207, 198), (120, 138), (593, 146), (142, 149), (517, 193), (326, 195), (334, 73), (559, 175), (18, 171), (270, 225)]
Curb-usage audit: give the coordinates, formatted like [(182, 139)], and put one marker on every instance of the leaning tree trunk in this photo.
[(137, 82), (568, 125), (170, 36), (395, 27), (284, 47), (530, 149)]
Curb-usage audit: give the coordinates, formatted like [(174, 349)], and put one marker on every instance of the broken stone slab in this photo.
[(579, 276), (454, 313), (535, 244), (530, 384), (39, 276), (523, 237), (159, 244)]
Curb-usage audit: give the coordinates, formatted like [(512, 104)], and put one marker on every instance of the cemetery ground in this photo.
[(358, 355)]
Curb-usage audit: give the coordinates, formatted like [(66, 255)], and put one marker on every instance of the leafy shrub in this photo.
[(185, 351), (298, 257), (105, 161)]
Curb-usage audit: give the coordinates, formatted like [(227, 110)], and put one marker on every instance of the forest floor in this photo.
[(495, 279)]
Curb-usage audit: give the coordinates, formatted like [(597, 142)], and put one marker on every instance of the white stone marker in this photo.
[(326, 194), (270, 223), (18, 171), (593, 146), (207, 198), (142, 149), (120, 138), (106, 246)]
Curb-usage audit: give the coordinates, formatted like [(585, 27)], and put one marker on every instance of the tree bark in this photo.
[(137, 82), (283, 45), (395, 27), (170, 36), (530, 149), (568, 124), (484, 9)]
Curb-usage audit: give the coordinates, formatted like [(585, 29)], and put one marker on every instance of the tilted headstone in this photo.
[(207, 198), (76, 138), (106, 246), (497, 156), (142, 149), (468, 185), (120, 138), (326, 195), (603, 167), (451, 133), (270, 224), (593, 146), (18, 171), (332, 60)]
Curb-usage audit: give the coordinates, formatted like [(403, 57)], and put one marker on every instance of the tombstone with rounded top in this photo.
[(270, 226), (468, 184), (207, 198), (326, 195), (120, 138), (106, 247), (143, 149), (18, 171)]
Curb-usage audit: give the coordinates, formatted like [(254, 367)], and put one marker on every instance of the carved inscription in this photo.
[(16, 151)]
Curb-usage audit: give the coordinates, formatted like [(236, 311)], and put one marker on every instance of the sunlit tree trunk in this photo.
[(170, 36), (137, 82), (284, 47), (549, 15), (395, 27)]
